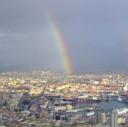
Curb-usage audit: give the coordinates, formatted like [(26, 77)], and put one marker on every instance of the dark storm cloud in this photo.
[(95, 33)]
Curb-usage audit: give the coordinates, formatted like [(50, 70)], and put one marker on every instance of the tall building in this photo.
[(114, 119), (101, 118)]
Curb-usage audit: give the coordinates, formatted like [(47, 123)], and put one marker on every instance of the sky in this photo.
[(95, 33)]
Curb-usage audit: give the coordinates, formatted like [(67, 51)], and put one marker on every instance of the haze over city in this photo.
[(95, 34)]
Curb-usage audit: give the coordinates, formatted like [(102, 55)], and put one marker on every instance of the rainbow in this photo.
[(60, 43)]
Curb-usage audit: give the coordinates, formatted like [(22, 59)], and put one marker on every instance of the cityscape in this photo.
[(63, 63), (47, 99)]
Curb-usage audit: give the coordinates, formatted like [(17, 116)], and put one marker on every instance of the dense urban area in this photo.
[(49, 99)]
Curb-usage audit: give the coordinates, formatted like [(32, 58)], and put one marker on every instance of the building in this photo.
[(101, 118), (114, 119)]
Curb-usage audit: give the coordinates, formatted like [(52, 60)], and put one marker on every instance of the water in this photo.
[(109, 106)]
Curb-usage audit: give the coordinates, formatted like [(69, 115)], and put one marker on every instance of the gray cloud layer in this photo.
[(95, 33)]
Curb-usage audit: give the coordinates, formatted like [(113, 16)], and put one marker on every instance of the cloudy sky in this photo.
[(95, 32)]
